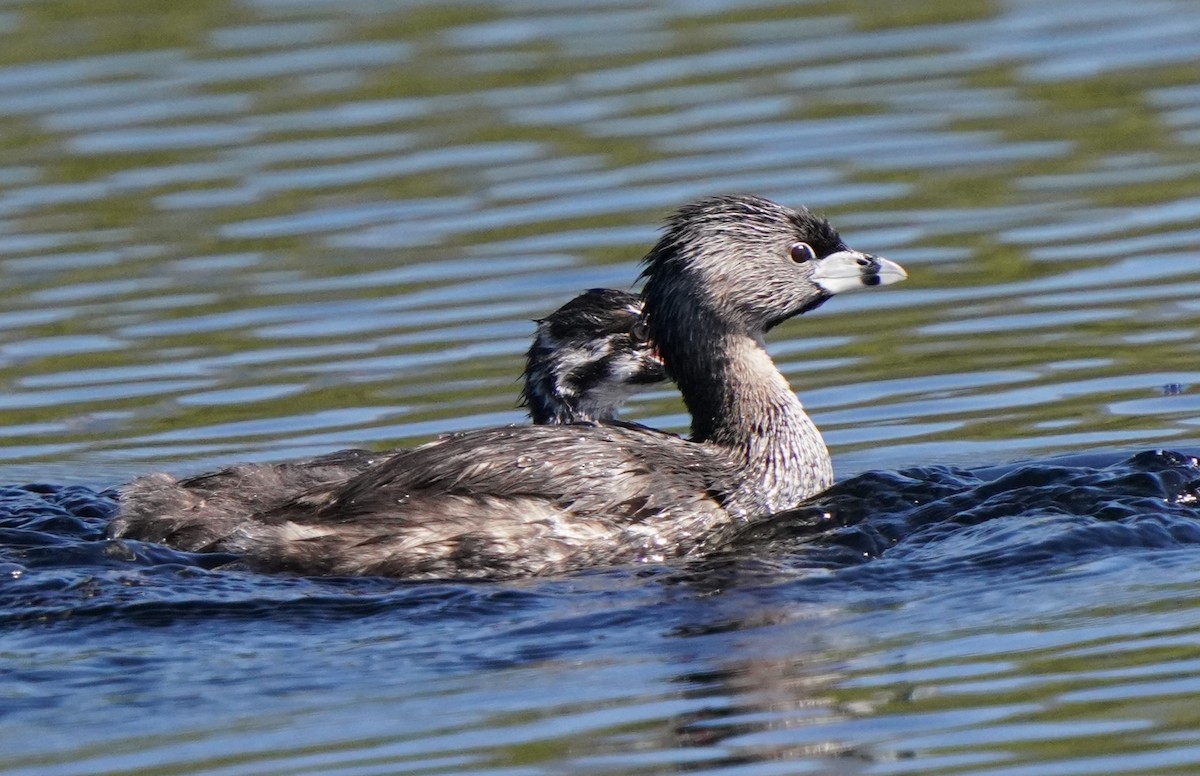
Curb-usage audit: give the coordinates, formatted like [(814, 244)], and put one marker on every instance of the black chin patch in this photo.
[(871, 280), (822, 299), (814, 304)]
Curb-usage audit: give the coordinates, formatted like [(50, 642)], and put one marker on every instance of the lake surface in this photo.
[(256, 230)]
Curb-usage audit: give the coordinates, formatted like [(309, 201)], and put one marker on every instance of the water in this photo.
[(254, 230)]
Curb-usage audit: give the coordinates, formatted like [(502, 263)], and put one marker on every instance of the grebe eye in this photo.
[(802, 252), (864, 262), (640, 333)]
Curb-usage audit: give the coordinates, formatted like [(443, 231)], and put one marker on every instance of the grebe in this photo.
[(587, 358), (513, 501)]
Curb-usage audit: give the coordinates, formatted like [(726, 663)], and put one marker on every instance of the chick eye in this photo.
[(640, 333), (802, 252)]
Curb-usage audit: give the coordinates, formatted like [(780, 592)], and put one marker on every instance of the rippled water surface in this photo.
[(261, 229)]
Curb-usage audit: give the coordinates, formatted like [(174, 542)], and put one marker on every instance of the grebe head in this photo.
[(588, 357), (746, 264)]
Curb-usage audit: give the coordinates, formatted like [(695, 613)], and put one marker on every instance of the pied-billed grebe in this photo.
[(587, 358), (514, 501)]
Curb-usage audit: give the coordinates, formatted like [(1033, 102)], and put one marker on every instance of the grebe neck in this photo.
[(740, 402)]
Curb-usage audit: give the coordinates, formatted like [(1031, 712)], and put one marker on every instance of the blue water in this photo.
[(832, 632), (249, 230)]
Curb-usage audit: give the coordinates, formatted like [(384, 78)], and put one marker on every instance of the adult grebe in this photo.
[(587, 358), (514, 501)]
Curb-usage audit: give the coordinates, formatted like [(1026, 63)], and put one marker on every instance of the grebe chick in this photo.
[(504, 502), (587, 358)]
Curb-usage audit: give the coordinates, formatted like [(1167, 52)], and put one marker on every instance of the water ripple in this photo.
[(310, 225)]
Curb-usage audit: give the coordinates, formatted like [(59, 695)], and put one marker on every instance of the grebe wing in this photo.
[(501, 502), (623, 471)]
